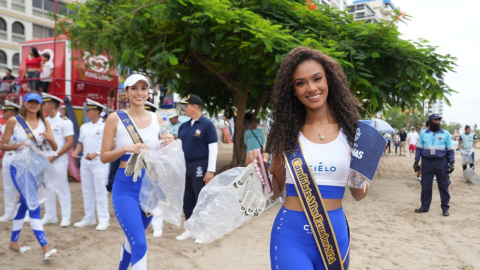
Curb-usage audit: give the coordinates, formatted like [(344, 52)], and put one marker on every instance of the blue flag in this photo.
[(367, 150)]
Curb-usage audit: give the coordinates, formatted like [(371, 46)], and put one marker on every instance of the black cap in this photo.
[(434, 116), (193, 99)]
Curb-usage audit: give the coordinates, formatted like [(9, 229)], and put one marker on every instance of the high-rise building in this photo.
[(340, 4), (22, 20), (435, 107), (371, 11)]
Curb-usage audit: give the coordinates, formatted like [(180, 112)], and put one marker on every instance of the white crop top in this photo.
[(330, 162), (149, 134)]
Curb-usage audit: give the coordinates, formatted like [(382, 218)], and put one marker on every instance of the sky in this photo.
[(453, 26)]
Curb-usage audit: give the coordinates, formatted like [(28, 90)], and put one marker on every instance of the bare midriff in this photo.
[(123, 164), (294, 203)]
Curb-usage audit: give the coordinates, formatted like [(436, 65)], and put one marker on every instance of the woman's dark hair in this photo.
[(46, 55), (289, 113), (35, 52)]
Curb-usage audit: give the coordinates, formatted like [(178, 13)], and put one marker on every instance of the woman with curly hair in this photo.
[(312, 105)]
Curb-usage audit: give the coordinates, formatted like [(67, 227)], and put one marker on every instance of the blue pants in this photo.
[(22, 209), (132, 219), (292, 245), (193, 185), (436, 168), (471, 164)]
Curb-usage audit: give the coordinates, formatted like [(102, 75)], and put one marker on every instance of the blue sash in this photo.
[(130, 128), (314, 208), (26, 128)]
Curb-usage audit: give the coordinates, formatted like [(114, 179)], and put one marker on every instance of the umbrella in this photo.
[(379, 125)]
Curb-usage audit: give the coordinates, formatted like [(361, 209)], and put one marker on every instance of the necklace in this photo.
[(322, 136)]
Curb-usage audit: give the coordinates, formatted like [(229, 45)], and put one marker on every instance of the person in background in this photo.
[(32, 69), (403, 139), (254, 137), (468, 143), (47, 71), (175, 124), (396, 141), (8, 81), (388, 138), (412, 141)]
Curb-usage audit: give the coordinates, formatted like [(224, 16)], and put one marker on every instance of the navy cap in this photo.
[(32, 96), (193, 99), (434, 116)]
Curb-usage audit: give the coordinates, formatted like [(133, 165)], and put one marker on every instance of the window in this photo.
[(360, 14), (49, 5), (18, 28), (3, 25), (359, 7), (16, 59), (3, 57), (351, 8), (42, 31)]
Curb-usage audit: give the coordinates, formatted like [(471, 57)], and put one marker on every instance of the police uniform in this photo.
[(437, 153), (62, 127), (9, 191), (94, 173), (196, 136)]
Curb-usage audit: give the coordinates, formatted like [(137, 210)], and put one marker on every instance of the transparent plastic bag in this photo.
[(163, 185), (34, 175), (356, 180)]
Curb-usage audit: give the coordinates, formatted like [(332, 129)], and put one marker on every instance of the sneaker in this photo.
[(84, 223), (102, 226), (185, 235), (27, 218), (65, 223), (49, 221), (157, 233), (199, 241), (418, 179), (6, 218)]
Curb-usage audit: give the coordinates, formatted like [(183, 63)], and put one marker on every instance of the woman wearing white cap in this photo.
[(131, 130), (92, 171), (29, 127)]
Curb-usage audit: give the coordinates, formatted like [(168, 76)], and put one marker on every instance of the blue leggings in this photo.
[(292, 245), (132, 219), (22, 209)]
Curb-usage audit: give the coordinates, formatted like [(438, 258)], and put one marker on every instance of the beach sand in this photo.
[(386, 233)]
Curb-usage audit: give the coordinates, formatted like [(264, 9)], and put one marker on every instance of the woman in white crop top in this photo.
[(125, 192), (312, 104), (32, 113)]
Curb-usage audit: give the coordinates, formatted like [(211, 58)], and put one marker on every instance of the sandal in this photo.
[(24, 250), (49, 255)]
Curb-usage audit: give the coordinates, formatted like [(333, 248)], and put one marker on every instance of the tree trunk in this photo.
[(239, 147)]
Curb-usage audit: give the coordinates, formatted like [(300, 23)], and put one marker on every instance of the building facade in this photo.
[(371, 11), (435, 107), (340, 4), (22, 20)]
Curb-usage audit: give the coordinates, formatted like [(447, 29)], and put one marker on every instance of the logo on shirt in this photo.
[(197, 133), (357, 135), (98, 132), (323, 169), (439, 138), (199, 172)]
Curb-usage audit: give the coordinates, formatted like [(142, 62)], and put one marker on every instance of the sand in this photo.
[(386, 233)]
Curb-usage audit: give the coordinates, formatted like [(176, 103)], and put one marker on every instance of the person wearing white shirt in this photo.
[(93, 172), (62, 129), (47, 71), (412, 139)]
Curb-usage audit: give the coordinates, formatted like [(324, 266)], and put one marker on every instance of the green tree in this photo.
[(228, 51)]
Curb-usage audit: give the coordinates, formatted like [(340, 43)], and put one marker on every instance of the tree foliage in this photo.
[(228, 51)]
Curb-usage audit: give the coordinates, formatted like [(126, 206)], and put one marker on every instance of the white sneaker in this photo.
[(418, 179), (102, 226), (49, 221), (199, 241), (65, 223), (6, 218), (158, 233), (26, 219), (84, 223), (185, 235)]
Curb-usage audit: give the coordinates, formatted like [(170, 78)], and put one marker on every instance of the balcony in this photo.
[(18, 38), (42, 13), (3, 3), (3, 35), (18, 6)]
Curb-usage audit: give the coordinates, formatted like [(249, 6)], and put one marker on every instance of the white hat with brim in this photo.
[(171, 115), (10, 106), (47, 97), (148, 106), (133, 79), (91, 104)]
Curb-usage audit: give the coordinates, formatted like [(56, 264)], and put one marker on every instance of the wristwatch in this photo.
[(98, 153)]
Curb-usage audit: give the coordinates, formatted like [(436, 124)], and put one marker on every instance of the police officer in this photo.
[(438, 156), (200, 146), (9, 192), (62, 129), (93, 172)]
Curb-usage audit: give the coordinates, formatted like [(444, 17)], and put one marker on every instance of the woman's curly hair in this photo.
[(289, 113)]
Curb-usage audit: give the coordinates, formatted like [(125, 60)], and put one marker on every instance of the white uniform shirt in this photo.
[(91, 137), (7, 155), (61, 127)]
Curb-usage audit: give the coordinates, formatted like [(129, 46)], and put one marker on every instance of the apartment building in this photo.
[(371, 11), (435, 107), (22, 20), (339, 4)]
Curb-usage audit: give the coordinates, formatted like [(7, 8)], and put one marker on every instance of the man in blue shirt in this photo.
[(468, 143), (200, 146), (438, 156), (254, 137)]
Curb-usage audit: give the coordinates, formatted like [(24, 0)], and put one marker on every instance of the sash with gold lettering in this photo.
[(26, 128), (314, 208), (130, 128)]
